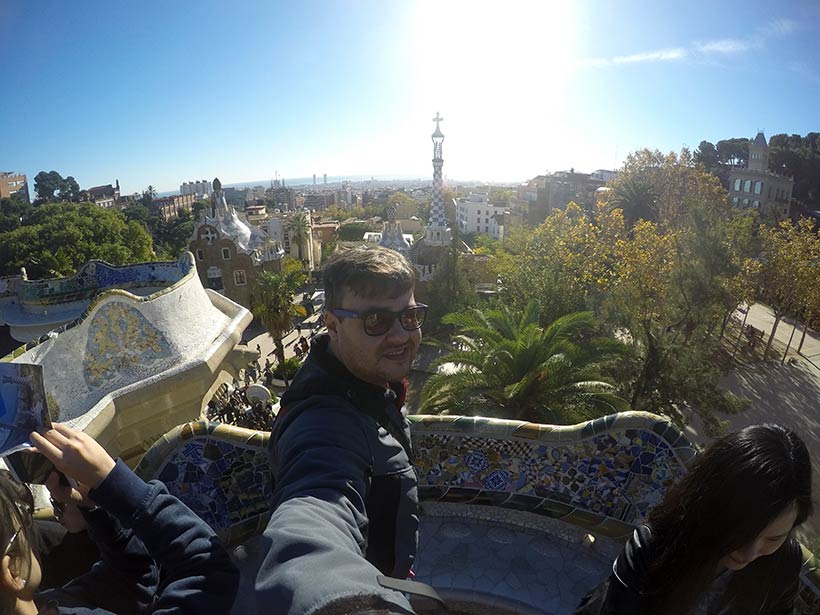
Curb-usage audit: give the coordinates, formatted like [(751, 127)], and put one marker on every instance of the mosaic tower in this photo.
[(437, 232)]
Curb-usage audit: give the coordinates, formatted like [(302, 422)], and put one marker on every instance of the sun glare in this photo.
[(498, 70)]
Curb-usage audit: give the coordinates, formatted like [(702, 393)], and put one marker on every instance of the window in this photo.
[(756, 204), (737, 185), (734, 200), (239, 277), (199, 255), (214, 278), (745, 202), (758, 187), (747, 185), (226, 254)]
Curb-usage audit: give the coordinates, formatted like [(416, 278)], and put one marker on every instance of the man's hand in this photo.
[(75, 454)]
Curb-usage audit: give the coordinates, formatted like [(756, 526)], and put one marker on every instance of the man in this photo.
[(345, 503)]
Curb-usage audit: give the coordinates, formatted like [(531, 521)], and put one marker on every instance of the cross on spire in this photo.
[(438, 119)]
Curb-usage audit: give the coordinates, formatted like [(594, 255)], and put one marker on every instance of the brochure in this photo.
[(23, 405)]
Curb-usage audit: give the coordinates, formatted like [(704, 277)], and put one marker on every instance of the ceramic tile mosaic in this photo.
[(619, 475), (602, 476), (120, 338), (98, 275), (221, 472)]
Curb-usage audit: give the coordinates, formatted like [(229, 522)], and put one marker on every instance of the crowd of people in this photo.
[(233, 406), (343, 531)]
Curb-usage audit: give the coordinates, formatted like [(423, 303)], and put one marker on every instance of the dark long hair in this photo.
[(732, 492), (16, 508)]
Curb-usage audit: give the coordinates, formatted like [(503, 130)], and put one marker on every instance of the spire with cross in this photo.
[(437, 231)]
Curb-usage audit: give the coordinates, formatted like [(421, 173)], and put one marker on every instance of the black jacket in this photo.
[(767, 585), (345, 503)]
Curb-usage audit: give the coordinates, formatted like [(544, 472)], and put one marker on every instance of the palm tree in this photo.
[(509, 367), (637, 198), (273, 302), (299, 231)]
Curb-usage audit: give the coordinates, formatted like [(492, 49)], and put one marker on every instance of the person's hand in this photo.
[(63, 493), (75, 454)]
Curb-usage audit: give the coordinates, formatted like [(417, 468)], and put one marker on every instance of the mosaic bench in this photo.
[(603, 475)]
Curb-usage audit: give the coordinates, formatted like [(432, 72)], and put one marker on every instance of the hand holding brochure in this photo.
[(23, 405)]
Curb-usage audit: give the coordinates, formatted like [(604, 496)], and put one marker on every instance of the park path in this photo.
[(783, 393)]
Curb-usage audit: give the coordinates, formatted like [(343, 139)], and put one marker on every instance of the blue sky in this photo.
[(160, 92)]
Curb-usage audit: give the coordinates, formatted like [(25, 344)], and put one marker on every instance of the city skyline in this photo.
[(166, 93)]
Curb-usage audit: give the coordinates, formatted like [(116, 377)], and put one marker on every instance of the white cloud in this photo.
[(778, 27), (660, 55), (725, 46)]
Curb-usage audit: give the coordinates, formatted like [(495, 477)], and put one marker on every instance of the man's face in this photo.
[(375, 359)]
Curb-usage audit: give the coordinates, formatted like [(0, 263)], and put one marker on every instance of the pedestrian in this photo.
[(721, 540), (345, 494)]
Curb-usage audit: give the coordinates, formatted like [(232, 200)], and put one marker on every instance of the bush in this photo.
[(288, 369)]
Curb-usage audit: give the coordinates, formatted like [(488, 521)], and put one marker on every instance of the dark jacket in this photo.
[(768, 585), (345, 502), (143, 531)]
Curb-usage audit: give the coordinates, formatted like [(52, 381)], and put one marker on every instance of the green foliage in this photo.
[(505, 365), (172, 237), (287, 370), (798, 157), (13, 213), (51, 186), (501, 195), (57, 238), (353, 231), (273, 301), (299, 231)]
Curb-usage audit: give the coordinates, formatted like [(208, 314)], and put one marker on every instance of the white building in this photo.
[(476, 215), (603, 175), (278, 228), (200, 187)]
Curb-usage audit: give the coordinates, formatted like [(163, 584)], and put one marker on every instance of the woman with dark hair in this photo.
[(156, 554), (720, 541)]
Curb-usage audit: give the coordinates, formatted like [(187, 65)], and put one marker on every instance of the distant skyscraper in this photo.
[(325, 179), (314, 179), (437, 232)]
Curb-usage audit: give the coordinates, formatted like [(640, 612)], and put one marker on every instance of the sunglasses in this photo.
[(379, 322)]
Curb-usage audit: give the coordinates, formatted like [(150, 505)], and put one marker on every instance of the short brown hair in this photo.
[(366, 270)]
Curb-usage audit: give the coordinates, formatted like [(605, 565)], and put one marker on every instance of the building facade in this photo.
[(168, 207), (476, 215), (106, 196), (755, 187), (229, 253), (556, 190), (14, 184), (201, 187)]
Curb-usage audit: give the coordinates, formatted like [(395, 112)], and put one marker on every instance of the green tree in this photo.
[(507, 366), (299, 231), (172, 237), (788, 269), (449, 289), (50, 186), (273, 302), (637, 198), (148, 196), (353, 231), (58, 238), (13, 213)]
